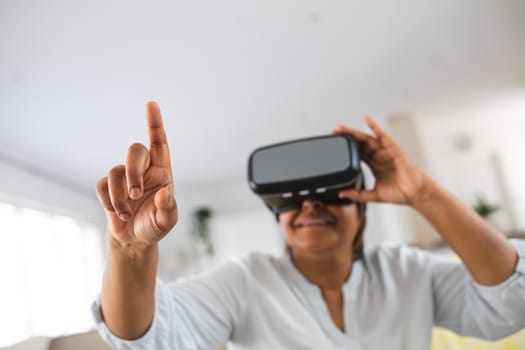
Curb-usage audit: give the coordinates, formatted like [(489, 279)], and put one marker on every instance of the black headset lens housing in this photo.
[(283, 175)]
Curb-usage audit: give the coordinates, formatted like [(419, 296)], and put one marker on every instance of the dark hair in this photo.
[(358, 244)]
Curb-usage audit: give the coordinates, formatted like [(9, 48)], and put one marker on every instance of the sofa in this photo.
[(81, 341), (441, 340)]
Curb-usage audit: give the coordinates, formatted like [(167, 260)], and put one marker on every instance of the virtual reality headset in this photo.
[(283, 175)]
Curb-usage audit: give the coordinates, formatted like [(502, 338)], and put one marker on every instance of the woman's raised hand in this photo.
[(138, 196), (397, 178)]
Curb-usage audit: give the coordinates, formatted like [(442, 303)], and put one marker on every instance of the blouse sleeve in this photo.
[(196, 313), (471, 309)]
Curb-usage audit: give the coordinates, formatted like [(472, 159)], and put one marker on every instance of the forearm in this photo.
[(128, 290), (485, 252)]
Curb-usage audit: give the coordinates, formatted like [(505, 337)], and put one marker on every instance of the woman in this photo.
[(324, 293)]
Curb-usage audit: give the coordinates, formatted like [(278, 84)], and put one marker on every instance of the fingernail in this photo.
[(135, 192)]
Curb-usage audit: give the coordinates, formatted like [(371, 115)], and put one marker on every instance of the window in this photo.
[(50, 268)]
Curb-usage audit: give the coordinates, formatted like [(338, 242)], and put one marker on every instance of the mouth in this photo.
[(311, 222)]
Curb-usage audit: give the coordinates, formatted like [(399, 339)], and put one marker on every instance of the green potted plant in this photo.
[(484, 208), (201, 217)]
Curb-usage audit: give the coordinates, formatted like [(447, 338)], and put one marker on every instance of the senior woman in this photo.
[(324, 293)]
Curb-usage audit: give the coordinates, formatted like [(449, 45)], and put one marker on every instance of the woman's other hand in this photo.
[(397, 178)]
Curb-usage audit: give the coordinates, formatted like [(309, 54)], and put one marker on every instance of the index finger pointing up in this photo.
[(157, 136), (381, 135)]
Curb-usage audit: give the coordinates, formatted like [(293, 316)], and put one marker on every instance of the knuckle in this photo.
[(120, 208), (117, 171), (120, 205), (137, 147), (102, 185), (133, 176)]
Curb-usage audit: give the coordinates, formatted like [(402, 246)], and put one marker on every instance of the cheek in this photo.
[(349, 218), (285, 221), (350, 226), (285, 218)]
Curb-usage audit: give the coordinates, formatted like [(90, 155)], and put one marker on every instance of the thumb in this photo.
[(166, 214), (360, 196)]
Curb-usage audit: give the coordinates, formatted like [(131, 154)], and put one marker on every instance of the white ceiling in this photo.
[(234, 75)]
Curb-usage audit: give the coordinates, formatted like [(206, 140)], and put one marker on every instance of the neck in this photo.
[(327, 271)]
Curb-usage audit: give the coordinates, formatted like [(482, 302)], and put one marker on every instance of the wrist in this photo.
[(137, 253), (425, 195)]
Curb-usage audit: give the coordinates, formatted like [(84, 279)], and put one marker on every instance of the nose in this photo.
[(312, 204)]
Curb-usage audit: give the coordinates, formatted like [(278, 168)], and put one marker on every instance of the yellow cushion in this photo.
[(443, 339)]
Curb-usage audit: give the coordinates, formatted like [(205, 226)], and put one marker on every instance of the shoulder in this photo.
[(395, 251), (398, 260)]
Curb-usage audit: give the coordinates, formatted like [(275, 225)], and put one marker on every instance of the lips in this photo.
[(313, 221)]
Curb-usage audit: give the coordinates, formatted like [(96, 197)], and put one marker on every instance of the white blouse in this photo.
[(392, 299)]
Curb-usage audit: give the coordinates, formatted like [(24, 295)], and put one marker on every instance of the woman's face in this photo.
[(317, 228)]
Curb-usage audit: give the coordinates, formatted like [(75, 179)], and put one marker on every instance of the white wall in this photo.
[(480, 150), (25, 187), (475, 150)]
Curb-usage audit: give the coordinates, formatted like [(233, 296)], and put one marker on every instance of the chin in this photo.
[(317, 242)]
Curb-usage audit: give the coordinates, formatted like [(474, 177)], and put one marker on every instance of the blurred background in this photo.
[(445, 78)]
